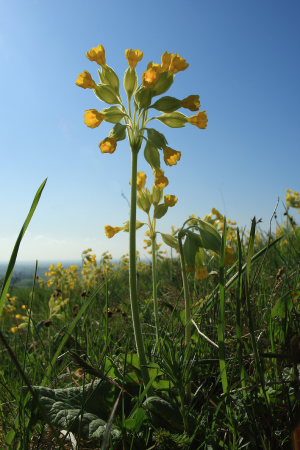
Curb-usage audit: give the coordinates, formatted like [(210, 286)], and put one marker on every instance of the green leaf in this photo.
[(174, 120), (166, 104), (152, 155), (160, 211), (210, 237), (170, 240), (118, 132), (12, 261), (282, 307), (191, 246), (113, 114), (81, 410), (143, 97), (157, 138), (164, 413), (109, 76), (107, 94), (163, 84)]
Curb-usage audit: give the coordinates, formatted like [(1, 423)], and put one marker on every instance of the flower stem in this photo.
[(154, 286), (132, 270)]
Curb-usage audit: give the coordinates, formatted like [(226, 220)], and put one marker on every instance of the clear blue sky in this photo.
[(244, 62)]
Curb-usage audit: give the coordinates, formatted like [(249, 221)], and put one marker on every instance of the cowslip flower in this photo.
[(171, 156), (86, 81), (173, 62), (108, 145), (192, 102), (93, 118), (201, 274), (141, 180), (151, 76), (111, 231), (200, 120), (229, 255), (170, 200), (160, 180), (97, 54), (134, 56)]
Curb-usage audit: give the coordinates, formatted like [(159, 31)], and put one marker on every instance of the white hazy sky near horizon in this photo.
[(243, 63)]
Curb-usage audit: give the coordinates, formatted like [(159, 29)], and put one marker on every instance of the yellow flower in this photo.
[(201, 273), (111, 231), (141, 180), (97, 54), (200, 120), (85, 80), (192, 102), (134, 56), (93, 118), (173, 63), (171, 156), (170, 200), (178, 64), (14, 329), (160, 180), (108, 145), (166, 60), (151, 76), (229, 256)]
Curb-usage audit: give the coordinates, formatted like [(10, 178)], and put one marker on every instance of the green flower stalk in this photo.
[(132, 122)]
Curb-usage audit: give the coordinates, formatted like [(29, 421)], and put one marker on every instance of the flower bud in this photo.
[(130, 81), (144, 200), (157, 195)]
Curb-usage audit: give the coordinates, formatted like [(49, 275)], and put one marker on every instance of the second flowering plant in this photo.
[(131, 120)]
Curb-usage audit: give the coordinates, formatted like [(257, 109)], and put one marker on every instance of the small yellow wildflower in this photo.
[(170, 200), (200, 120), (97, 54), (171, 156), (141, 180), (192, 102), (111, 231), (108, 145), (14, 329), (86, 81), (134, 56), (18, 316), (161, 181), (151, 76), (93, 118), (201, 273), (229, 256)]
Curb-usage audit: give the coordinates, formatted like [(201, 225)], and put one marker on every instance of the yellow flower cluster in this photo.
[(293, 199), (171, 63)]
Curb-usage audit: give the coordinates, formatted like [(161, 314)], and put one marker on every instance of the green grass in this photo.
[(244, 389)]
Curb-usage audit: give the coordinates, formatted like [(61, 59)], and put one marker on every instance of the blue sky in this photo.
[(243, 63)]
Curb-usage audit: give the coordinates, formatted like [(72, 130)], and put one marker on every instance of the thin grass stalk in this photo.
[(132, 271), (221, 318), (154, 287), (239, 325), (249, 311)]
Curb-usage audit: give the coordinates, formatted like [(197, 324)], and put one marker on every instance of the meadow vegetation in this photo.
[(200, 350)]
